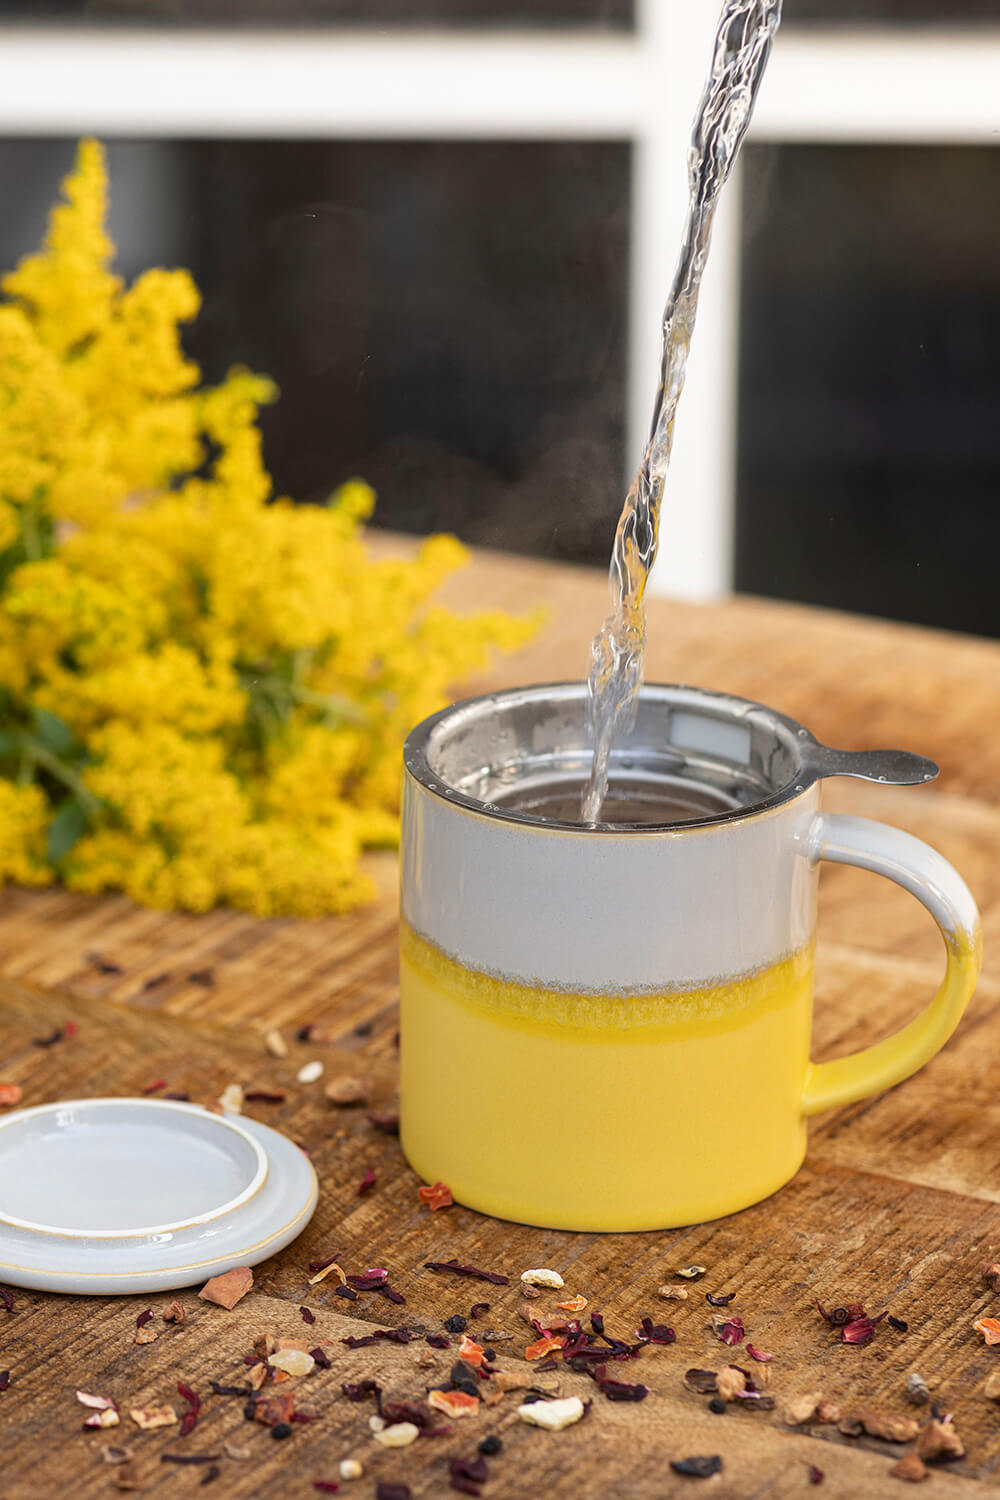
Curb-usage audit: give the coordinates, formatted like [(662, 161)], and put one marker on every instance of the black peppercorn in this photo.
[(491, 1444), (717, 1406), (281, 1430), (456, 1324)]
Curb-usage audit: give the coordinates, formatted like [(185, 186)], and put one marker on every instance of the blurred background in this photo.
[(447, 227)]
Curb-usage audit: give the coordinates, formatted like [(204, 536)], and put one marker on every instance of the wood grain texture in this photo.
[(898, 1205)]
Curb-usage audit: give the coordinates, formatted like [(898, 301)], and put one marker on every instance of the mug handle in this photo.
[(928, 876)]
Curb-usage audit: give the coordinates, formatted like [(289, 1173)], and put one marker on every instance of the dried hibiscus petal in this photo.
[(6, 1300), (367, 1182), (618, 1390), (655, 1333), (731, 1331), (838, 1316), (307, 1315), (472, 1271), (720, 1301), (859, 1330)]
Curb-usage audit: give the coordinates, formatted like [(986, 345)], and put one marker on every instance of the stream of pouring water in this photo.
[(742, 43)]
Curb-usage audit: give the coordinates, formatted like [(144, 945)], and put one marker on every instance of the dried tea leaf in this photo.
[(671, 1293), (346, 1091), (542, 1277), (698, 1467), (893, 1429), (276, 1044), (553, 1415), (939, 1441), (231, 1099), (917, 1390), (399, 1435), (173, 1313), (148, 1417), (228, 1289), (292, 1361), (910, 1467), (310, 1072), (989, 1328)]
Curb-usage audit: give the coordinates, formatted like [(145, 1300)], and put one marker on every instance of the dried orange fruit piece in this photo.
[(10, 1093), (989, 1328), (454, 1403), (470, 1351), (544, 1346), (573, 1304)]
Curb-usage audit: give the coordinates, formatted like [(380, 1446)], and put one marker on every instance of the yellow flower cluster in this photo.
[(204, 688)]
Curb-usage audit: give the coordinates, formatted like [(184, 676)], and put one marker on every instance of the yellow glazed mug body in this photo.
[(608, 1027)]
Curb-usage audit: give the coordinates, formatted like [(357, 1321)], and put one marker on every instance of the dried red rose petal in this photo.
[(190, 1417), (367, 1182), (816, 1476), (4, 1379)]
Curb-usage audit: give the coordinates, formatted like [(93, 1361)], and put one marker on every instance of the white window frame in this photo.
[(871, 86)]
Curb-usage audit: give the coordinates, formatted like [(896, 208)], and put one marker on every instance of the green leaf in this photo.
[(69, 824), (53, 732), (10, 743)]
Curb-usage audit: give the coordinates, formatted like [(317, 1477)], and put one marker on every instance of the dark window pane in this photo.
[(445, 320), (888, 12), (614, 15), (869, 455)]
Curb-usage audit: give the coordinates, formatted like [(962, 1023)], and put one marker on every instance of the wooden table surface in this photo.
[(897, 1206)]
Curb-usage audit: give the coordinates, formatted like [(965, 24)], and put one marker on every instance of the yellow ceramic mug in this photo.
[(608, 1027)]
